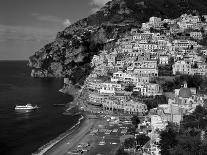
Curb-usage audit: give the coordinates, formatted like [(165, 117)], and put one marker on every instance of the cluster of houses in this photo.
[(133, 65)]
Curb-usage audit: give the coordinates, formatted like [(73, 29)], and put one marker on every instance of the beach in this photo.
[(76, 138), (80, 135)]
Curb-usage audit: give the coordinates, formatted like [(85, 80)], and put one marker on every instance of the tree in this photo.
[(121, 151), (166, 25), (142, 139), (161, 99), (129, 143), (135, 120), (187, 145), (136, 94), (151, 103), (129, 88), (198, 119), (167, 141)]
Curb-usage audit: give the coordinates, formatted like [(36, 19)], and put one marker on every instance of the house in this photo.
[(129, 78), (184, 44), (148, 46), (110, 88), (99, 59), (146, 26), (190, 18), (94, 84), (133, 107), (157, 123), (196, 35), (163, 59), (111, 59), (155, 21), (182, 67), (142, 36), (152, 72), (112, 104), (149, 89), (96, 98)]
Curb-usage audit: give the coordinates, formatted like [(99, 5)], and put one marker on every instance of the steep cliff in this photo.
[(71, 52)]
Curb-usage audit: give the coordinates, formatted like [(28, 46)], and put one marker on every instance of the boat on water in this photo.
[(26, 107)]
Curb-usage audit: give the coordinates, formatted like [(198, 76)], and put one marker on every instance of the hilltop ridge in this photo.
[(70, 54)]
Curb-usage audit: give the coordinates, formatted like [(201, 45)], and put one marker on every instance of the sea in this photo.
[(23, 133)]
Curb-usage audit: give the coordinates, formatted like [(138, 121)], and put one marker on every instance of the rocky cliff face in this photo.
[(71, 52)]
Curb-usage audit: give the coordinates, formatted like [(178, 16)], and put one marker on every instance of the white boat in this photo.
[(26, 107)]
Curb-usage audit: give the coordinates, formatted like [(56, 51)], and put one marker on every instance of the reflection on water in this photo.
[(24, 114)]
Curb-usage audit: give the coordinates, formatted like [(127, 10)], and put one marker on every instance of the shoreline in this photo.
[(69, 142), (70, 132), (43, 149)]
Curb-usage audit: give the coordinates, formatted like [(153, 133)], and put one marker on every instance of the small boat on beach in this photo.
[(26, 107)]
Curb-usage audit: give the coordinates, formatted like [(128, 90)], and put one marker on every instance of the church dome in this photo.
[(185, 92)]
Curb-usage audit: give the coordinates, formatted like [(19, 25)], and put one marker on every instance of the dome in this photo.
[(185, 93)]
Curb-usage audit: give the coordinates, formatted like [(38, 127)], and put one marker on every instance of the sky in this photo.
[(27, 25)]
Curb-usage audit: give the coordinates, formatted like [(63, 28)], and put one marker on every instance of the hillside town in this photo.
[(131, 78)]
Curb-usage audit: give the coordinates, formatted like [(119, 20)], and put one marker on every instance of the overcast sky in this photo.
[(27, 25)]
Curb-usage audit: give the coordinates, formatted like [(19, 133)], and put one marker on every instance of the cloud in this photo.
[(97, 4), (47, 18), (66, 23), (58, 21)]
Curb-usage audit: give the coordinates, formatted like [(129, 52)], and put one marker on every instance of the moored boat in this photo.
[(26, 107)]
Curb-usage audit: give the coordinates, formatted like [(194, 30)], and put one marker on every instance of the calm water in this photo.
[(20, 133)]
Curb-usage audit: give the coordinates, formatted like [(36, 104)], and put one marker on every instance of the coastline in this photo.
[(76, 93), (43, 149), (69, 142)]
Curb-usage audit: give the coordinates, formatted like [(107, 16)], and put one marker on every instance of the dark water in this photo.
[(24, 133)]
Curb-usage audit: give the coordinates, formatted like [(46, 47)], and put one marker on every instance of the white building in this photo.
[(155, 21), (157, 123), (196, 35), (110, 88), (182, 67), (184, 43), (163, 59), (150, 89)]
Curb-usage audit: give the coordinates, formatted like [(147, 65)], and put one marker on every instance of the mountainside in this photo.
[(71, 52)]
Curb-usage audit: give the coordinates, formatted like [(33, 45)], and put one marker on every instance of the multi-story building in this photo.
[(110, 88), (96, 98), (94, 84), (152, 72), (149, 89), (201, 69), (155, 21), (130, 107), (196, 35), (142, 36), (129, 78), (182, 67), (163, 59), (184, 44)]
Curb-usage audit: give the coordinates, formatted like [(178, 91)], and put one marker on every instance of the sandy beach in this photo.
[(72, 140)]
